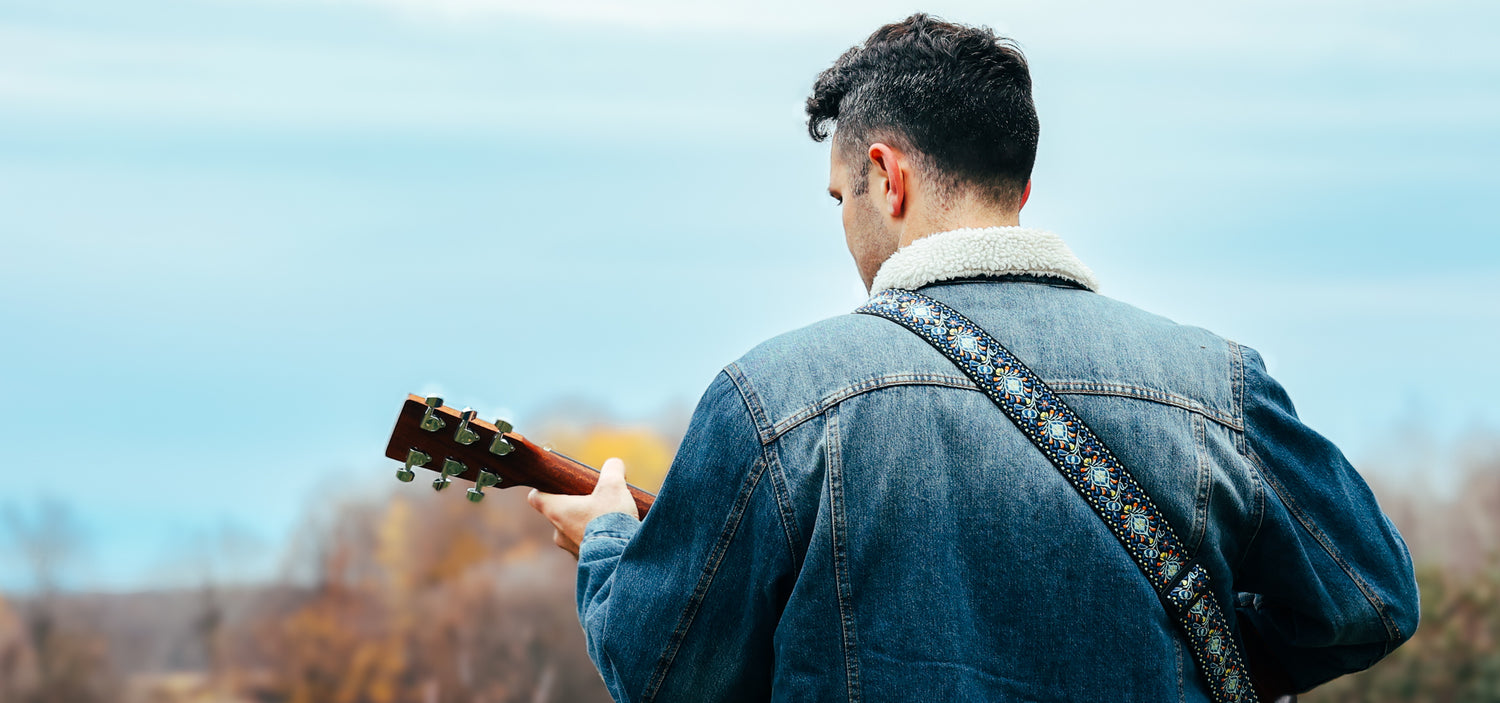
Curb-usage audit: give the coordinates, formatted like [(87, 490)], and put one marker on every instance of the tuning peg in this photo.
[(485, 480), (430, 421), (466, 435), (501, 446), (413, 458), (450, 468)]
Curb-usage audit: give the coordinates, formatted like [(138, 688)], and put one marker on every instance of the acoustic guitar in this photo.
[(458, 445)]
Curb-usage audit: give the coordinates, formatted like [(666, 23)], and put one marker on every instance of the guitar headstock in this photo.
[(458, 444)]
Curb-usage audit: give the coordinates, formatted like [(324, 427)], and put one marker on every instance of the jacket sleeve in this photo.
[(682, 606), (1327, 581)]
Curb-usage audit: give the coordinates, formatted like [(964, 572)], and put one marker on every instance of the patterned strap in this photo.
[(1105, 484)]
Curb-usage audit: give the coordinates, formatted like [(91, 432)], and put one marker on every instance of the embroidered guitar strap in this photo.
[(1105, 484)]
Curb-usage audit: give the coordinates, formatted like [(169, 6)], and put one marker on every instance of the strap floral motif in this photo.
[(1109, 489)]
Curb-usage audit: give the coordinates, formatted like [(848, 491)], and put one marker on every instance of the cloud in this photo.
[(270, 83), (467, 66), (1275, 29)]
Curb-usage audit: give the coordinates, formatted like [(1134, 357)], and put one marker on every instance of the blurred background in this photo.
[(234, 233)]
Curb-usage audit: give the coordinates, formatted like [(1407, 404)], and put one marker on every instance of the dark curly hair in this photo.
[(958, 98)]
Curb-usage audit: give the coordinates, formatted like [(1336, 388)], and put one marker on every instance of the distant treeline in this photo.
[(423, 597)]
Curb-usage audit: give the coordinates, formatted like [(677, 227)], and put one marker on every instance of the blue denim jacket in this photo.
[(849, 518)]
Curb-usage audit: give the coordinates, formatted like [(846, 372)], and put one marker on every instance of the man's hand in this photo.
[(570, 514)]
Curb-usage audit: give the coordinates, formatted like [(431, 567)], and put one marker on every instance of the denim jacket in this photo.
[(849, 518)]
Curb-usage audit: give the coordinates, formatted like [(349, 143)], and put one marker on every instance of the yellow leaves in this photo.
[(456, 553), (393, 547), (646, 454), (429, 597)]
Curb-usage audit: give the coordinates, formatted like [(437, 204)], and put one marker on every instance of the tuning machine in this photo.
[(485, 480), (500, 446), (430, 421), (413, 458), (450, 468), (465, 435)]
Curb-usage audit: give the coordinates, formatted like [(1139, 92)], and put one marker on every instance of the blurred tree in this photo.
[(70, 662), (17, 658)]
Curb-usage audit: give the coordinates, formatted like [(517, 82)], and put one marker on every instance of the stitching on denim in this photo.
[(783, 492), (1181, 682), (1133, 391), (763, 428), (778, 429), (1237, 384), (1391, 628), (842, 588), (1258, 475), (779, 487), (1242, 445), (1205, 488), (705, 580), (813, 410)]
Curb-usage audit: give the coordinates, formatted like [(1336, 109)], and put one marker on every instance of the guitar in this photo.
[(457, 444)]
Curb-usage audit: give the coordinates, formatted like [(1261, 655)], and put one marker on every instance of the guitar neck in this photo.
[(525, 464)]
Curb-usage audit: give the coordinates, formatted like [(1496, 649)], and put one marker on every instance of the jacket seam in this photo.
[(843, 589), (780, 487), (1205, 489), (741, 381), (1133, 391), (705, 581), (827, 402), (1237, 384), (1181, 679), (1242, 445), (773, 431), (1258, 473), (782, 491)]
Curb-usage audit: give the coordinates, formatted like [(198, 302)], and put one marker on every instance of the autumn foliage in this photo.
[(423, 597)]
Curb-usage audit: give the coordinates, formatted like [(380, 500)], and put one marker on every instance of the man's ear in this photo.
[(890, 180), (1025, 194)]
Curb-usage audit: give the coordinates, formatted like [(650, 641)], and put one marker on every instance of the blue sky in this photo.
[(233, 233)]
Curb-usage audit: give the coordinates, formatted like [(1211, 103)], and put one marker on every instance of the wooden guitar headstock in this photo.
[(457, 444)]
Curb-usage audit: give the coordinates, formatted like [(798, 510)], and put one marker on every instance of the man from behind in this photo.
[(851, 518)]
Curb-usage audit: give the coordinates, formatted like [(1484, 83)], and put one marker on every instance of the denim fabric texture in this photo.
[(849, 518)]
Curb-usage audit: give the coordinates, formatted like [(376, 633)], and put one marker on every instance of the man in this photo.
[(850, 518)]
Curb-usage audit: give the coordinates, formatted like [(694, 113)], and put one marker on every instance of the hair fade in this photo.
[(959, 97)]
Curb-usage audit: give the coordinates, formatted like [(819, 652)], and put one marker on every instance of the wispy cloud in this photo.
[(1276, 30)]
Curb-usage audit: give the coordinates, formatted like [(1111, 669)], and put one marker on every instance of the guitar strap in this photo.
[(1105, 484)]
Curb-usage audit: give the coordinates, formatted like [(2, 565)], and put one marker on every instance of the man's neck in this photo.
[(950, 221)]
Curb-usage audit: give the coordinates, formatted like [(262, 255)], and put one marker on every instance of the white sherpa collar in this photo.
[(961, 253)]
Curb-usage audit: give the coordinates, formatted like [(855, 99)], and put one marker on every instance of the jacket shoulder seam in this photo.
[(780, 488), (741, 381)]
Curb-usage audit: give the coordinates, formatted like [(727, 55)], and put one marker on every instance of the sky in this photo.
[(234, 233)]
